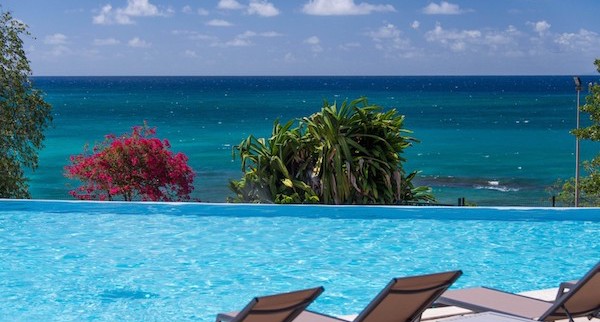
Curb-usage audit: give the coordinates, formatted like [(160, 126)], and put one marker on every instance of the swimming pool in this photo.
[(84, 261)]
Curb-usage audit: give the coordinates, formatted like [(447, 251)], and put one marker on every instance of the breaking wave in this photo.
[(475, 183), (495, 185)]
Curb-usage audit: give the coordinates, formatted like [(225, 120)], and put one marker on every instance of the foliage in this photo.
[(348, 154), (23, 112), (136, 166), (589, 185), (274, 168), (592, 107)]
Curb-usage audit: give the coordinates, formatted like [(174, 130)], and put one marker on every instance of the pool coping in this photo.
[(306, 210)]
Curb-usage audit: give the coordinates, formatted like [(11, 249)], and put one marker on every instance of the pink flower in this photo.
[(130, 165)]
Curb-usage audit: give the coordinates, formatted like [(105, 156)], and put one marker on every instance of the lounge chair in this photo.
[(581, 299), (402, 300), (284, 307)]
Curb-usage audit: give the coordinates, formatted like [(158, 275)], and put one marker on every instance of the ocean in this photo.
[(493, 140)]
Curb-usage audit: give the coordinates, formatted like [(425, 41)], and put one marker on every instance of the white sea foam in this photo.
[(495, 185)]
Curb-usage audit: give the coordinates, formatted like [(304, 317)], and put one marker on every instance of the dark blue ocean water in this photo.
[(493, 140)]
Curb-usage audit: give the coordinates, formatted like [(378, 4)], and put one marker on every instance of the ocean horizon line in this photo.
[(327, 75)]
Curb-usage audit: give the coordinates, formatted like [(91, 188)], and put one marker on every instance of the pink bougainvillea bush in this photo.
[(135, 166)]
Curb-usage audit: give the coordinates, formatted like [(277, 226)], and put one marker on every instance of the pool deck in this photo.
[(442, 314), (446, 314)]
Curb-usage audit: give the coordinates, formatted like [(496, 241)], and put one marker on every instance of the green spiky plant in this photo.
[(347, 154), (273, 168)]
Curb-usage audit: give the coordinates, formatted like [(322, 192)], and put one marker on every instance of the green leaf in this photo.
[(288, 183)]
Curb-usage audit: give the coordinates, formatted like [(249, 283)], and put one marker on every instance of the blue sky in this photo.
[(310, 37)]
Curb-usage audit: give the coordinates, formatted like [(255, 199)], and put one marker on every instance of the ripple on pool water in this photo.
[(102, 265)]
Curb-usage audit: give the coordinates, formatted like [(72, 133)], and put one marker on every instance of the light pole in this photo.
[(578, 89)]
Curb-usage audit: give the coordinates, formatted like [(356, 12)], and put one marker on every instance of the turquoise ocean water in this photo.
[(493, 140)]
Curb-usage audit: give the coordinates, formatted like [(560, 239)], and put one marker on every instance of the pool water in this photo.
[(83, 261)]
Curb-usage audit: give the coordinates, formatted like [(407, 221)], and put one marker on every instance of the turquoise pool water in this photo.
[(86, 261)]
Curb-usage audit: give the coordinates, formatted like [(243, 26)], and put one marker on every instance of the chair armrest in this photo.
[(564, 287)]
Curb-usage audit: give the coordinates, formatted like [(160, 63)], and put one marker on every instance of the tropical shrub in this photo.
[(589, 187), (348, 154), (24, 115), (133, 167), (275, 169)]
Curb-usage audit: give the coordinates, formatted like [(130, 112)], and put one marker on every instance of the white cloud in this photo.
[(192, 35), (202, 12), (122, 16), (106, 42), (584, 40), (250, 34), (270, 34), (343, 7), (350, 46), (540, 27), (219, 23), (186, 9), (55, 39), (238, 42), (230, 5), (386, 32), (540, 43), (315, 44), (140, 8), (190, 53), (60, 50), (289, 58), (415, 24), (202, 37), (108, 17), (497, 39), (138, 43), (503, 42), (444, 8), (388, 38), (255, 7), (58, 42), (245, 39), (262, 8), (453, 39), (247, 34), (314, 40)]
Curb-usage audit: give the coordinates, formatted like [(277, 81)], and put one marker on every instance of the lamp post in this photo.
[(578, 89)]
